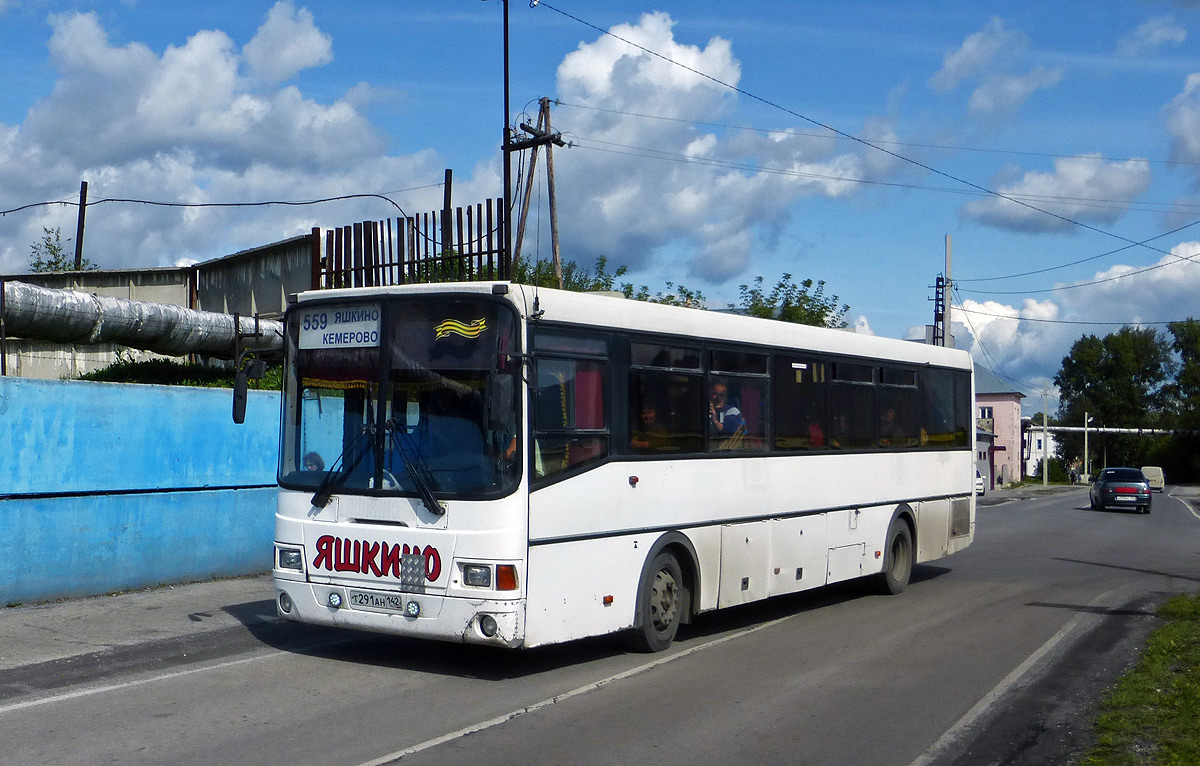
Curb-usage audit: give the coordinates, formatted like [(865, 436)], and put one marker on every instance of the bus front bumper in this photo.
[(440, 618)]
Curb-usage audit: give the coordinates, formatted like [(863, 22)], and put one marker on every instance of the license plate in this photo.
[(1125, 499), (386, 602)]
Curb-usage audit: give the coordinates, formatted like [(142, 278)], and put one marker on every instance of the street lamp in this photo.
[(1086, 420)]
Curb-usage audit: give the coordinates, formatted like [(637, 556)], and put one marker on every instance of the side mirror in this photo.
[(252, 370), (240, 394)]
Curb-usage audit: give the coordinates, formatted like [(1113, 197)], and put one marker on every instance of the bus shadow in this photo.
[(495, 664)]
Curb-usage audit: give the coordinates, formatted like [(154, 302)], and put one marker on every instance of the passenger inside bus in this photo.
[(724, 417), (651, 434), (313, 462)]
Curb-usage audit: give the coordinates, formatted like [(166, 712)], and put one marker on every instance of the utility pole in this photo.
[(545, 104), (507, 151), (446, 214), (1045, 441), (541, 135), (79, 226), (949, 339), (1086, 476)]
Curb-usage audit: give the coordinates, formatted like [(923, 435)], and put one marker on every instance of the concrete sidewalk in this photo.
[(30, 635)]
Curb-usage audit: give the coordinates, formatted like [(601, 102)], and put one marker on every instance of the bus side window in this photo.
[(800, 394), (664, 413), (569, 421)]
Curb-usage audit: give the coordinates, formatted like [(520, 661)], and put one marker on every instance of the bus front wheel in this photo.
[(660, 605), (897, 560)]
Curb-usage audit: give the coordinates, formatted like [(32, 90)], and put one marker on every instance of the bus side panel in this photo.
[(798, 555), (933, 529), (568, 583)]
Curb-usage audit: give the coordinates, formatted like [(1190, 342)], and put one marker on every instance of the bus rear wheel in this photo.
[(660, 605), (897, 560)]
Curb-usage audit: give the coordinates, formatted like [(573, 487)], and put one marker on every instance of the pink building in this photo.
[(998, 410)]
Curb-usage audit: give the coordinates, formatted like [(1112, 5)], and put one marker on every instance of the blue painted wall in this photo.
[(108, 486)]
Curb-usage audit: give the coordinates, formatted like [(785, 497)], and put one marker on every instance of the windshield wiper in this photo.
[(337, 476), (421, 483)]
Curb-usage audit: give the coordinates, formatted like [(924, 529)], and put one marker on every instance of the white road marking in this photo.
[(90, 691), (500, 719), (1012, 680)]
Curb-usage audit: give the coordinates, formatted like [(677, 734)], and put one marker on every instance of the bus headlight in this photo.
[(291, 558), (477, 575), (285, 603)]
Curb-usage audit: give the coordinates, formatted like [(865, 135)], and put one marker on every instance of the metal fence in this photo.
[(463, 244)]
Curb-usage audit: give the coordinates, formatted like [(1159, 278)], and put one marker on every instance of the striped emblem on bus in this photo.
[(465, 329)]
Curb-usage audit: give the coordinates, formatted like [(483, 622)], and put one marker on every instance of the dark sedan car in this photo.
[(1121, 487)]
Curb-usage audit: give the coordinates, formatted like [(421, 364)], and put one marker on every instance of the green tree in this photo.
[(1179, 454), (1186, 343), (1121, 380), (599, 279), (50, 254), (790, 302)]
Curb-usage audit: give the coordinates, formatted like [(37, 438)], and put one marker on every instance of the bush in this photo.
[(167, 372)]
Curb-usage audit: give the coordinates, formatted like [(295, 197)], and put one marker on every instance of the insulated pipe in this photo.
[(68, 316)]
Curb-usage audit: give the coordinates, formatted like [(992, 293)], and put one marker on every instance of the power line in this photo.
[(995, 368), (1075, 263), (1178, 259), (804, 134), (264, 203), (641, 151), (843, 134)]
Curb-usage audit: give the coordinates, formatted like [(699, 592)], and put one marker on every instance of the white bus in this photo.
[(493, 463)]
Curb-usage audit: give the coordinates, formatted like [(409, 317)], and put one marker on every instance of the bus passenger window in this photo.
[(736, 410), (569, 423), (664, 413), (799, 391), (852, 416)]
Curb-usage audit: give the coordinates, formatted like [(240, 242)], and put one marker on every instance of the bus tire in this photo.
[(897, 559), (660, 606)]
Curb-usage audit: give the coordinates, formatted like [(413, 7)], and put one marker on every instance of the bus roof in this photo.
[(612, 310)]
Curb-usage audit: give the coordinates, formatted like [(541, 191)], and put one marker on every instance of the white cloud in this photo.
[(978, 53), (991, 57), (286, 43), (1151, 36), (1084, 188), (183, 125), (1182, 115), (1003, 95), (720, 203)]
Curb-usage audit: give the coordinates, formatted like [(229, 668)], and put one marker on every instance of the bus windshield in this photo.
[(414, 396)]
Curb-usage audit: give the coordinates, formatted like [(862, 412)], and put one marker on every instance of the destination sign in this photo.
[(340, 327)]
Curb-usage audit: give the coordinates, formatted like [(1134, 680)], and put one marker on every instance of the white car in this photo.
[(979, 486)]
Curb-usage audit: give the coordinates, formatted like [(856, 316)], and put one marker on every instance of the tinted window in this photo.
[(800, 394), (665, 412), (852, 416), (859, 373), (1124, 474), (736, 413), (735, 361), (569, 400), (669, 357)]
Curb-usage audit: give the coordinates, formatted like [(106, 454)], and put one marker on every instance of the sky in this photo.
[(1057, 145)]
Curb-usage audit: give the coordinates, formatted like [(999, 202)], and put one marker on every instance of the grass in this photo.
[(1152, 715)]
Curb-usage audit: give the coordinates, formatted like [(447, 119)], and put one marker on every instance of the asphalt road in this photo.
[(994, 655)]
